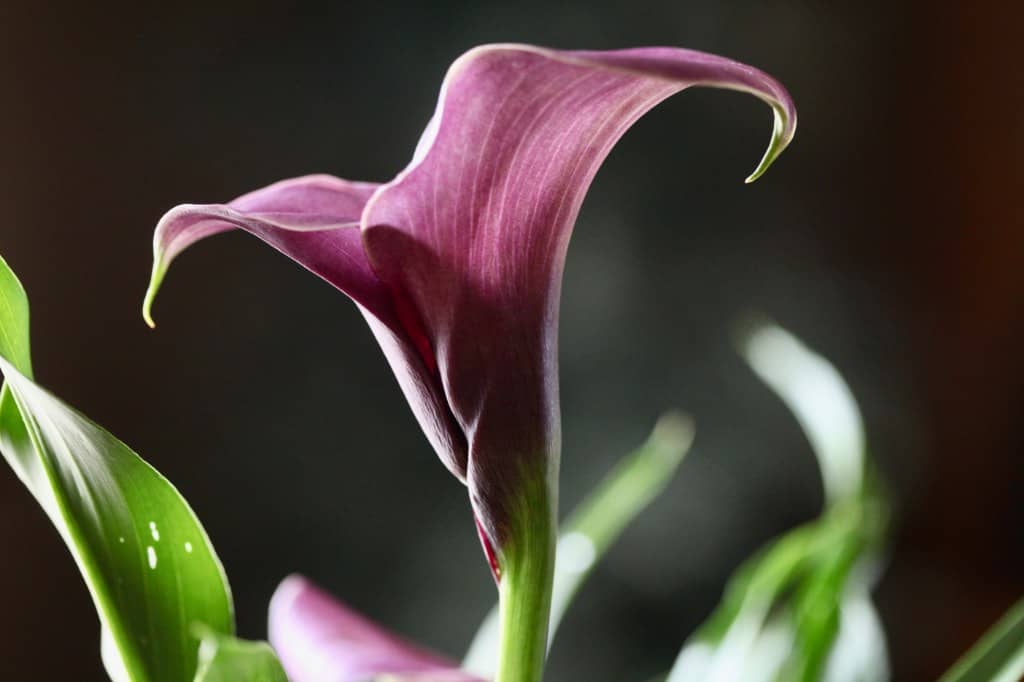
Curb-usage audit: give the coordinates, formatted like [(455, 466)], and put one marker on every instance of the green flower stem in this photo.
[(524, 591)]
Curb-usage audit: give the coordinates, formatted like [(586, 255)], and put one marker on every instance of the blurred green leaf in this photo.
[(998, 656), (632, 485), (799, 609), (595, 525), (14, 337), (819, 399), (816, 610), (226, 659), (782, 610), (146, 560)]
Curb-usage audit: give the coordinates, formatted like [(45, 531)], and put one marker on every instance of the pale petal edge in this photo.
[(758, 84), (709, 70), (255, 212)]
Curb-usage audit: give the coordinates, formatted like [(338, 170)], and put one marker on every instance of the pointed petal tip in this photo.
[(155, 279), (147, 316), (783, 130)]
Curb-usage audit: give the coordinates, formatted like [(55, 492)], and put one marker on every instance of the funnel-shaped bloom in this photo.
[(319, 639), (457, 262)]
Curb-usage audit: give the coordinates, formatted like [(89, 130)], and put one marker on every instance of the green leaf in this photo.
[(799, 610), (998, 656), (146, 560), (226, 659), (14, 340), (595, 525), (784, 609), (816, 610), (818, 397)]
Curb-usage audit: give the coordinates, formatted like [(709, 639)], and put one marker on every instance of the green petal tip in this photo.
[(782, 134), (155, 279)]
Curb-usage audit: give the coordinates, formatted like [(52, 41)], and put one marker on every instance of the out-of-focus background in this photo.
[(889, 237)]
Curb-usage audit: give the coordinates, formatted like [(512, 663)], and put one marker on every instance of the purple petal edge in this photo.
[(318, 639), (457, 262), (308, 219), (314, 220)]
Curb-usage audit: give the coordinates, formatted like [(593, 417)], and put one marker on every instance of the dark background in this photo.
[(889, 237)]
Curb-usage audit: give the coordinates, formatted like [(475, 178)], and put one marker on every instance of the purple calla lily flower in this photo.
[(318, 639), (457, 262)]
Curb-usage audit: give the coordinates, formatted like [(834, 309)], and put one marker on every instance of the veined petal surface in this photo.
[(314, 220), (474, 232), (458, 263)]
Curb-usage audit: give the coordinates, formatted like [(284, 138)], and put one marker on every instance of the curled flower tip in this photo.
[(155, 279), (783, 129)]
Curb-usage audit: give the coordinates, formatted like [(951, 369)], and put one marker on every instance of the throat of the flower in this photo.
[(414, 330), (415, 333)]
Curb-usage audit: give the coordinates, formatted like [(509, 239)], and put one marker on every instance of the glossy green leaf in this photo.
[(146, 560), (595, 525), (14, 338), (226, 659), (998, 656)]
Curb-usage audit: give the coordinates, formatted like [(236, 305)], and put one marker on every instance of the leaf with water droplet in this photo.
[(107, 504)]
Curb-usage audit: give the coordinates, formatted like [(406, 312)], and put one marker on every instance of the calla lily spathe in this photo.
[(319, 639), (457, 262)]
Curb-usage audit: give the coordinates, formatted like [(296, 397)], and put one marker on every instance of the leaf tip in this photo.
[(747, 326), (674, 433)]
